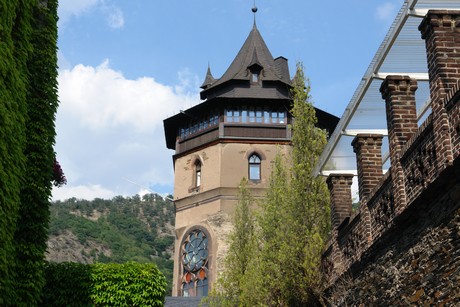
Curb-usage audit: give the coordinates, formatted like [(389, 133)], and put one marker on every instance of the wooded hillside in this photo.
[(118, 230)]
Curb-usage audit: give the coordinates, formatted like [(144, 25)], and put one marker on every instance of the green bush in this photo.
[(67, 284), (129, 284)]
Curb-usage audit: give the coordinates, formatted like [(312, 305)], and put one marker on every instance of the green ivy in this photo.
[(67, 284), (129, 284), (42, 103), (28, 103), (13, 82)]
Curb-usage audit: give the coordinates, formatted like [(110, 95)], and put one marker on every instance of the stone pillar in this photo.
[(399, 95), (340, 189), (441, 31), (368, 149)]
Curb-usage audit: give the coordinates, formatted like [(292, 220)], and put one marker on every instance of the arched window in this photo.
[(254, 167), (197, 179), (194, 260)]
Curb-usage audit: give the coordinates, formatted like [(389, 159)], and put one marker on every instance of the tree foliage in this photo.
[(292, 223), (241, 246), (129, 228)]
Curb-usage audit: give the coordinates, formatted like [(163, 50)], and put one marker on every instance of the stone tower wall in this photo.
[(210, 206)]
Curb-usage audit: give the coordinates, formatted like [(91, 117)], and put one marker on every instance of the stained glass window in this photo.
[(195, 264)]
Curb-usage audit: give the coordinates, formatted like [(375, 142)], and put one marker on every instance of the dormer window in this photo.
[(255, 70)]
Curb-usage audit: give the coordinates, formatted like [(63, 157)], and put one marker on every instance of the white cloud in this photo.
[(386, 11), (115, 17), (187, 81), (82, 192), (105, 99), (74, 8), (110, 131), (69, 8)]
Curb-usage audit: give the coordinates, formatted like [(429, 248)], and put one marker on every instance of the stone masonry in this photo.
[(402, 245)]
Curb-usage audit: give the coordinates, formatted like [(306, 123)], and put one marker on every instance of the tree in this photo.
[(293, 223), (241, 246), (306, 210)]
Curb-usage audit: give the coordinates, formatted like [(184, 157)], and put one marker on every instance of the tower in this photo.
[(235, 132)]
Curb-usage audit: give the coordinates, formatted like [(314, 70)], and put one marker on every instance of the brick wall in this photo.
[(402, 245), (417, 263), (340, 189)]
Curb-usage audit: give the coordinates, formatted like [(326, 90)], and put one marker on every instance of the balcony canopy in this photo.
[(402, 52)]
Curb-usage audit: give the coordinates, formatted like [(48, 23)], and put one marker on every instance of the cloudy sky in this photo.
[(127, 65)]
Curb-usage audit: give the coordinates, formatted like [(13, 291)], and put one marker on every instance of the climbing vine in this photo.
[(42, 102), (13, 82), (28, 104)]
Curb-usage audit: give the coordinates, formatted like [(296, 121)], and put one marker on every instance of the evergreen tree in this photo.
[(293, 222), (307, 211), (241, 246), (265, 270)]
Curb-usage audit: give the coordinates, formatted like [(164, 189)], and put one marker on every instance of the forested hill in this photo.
[(118, 230)]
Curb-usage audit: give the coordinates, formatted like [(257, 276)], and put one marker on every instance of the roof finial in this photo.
[(254, 10)]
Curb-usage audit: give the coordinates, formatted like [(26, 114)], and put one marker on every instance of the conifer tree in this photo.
[(293, 220), (265, 269), (306, 211), (241, 246)]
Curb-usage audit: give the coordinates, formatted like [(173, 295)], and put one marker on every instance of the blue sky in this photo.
[(127, 65)]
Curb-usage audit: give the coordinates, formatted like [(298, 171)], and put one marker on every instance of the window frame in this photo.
[(197, 173), (255, 162)]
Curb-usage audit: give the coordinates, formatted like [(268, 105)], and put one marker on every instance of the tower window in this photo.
[(255, 77), (232, 116), (197, 178), (195, 264), (254, 167), (259, 115)]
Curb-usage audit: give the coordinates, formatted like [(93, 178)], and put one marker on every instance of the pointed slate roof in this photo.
[(235, 88), (253, 51), (209, 80), (255, 60)]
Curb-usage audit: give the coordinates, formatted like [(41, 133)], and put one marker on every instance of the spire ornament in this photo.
[(254, 10)]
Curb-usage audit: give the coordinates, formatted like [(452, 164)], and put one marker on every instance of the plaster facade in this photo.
[(212, 203)]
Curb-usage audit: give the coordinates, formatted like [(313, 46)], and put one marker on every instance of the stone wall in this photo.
[(402, 245), (417, 262)]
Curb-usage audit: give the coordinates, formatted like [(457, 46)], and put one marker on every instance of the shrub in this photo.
[(129, 284), (67, 284)]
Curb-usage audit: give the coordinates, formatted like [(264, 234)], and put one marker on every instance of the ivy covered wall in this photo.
[(28, 104)]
